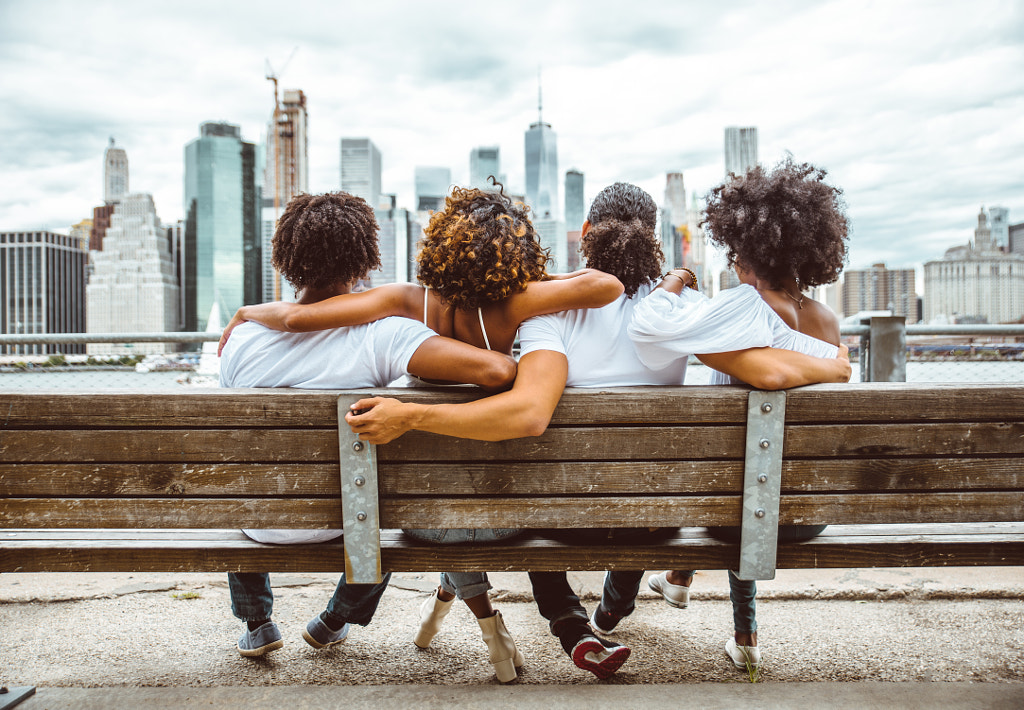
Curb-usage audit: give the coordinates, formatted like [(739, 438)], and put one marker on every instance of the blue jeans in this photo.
[(621, 587), (252, 599), (620, 591), (555, 598), (464, 585)]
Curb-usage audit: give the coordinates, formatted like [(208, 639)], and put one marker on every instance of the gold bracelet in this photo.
[(693, 277)]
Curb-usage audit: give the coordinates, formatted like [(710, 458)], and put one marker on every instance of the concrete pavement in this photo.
[(830, 638)]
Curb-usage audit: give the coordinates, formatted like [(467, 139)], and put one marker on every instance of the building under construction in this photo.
[(286, 175)]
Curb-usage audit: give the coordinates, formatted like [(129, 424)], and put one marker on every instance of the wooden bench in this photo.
[(904, 474)]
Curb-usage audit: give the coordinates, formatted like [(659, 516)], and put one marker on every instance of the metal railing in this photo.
[(879, 345)]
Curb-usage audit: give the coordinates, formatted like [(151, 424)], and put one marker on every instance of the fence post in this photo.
[(886, 350)]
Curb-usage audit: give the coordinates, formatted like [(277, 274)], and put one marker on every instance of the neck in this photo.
[(315, 295)]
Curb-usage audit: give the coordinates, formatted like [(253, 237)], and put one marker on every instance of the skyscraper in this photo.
[(42, 289), (115, 173), (432, 185), (395, 226), (286, 175), (575, 207), (360, 169), (999, 223), (132, 287), (484, 161), (222, 234), (675, 230), (740, 149), (541, 168), (575, 213)]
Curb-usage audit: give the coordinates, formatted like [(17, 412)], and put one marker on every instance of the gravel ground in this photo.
[(147, 636)]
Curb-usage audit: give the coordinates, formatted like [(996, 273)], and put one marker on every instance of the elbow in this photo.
[(534, 423), (499, 374), (772, 380), (291, 323)]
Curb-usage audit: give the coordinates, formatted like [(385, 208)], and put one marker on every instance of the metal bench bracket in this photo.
[(359, 509), (762, 478)]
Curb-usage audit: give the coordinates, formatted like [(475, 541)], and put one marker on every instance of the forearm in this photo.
[(775, 369), (525, 410), (277, 315), (676, 280)]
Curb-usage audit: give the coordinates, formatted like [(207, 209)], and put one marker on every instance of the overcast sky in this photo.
[(915, 108)]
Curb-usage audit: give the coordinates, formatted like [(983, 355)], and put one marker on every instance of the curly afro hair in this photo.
[(780, 224), (481, 248), (325, 239), (621, 239)]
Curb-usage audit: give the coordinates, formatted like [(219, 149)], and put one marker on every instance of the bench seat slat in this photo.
[(591, 443), (805, 509), (300, 408), (524, 478), (229, 550)]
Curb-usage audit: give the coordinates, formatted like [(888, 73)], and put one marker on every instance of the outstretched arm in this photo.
[(777, 369), (336, 312), (586, 288), (525, 410)]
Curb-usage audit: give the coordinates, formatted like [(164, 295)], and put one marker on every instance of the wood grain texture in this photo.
[(224, 551), (855, 403)]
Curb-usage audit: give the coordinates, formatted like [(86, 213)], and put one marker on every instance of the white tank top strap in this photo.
[(425, 290), (483, 330)]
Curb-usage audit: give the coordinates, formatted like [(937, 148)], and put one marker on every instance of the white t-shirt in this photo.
[(667, 327), (370, 355), (595, 342)]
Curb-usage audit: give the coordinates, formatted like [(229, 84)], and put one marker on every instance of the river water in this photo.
[(697, 374)]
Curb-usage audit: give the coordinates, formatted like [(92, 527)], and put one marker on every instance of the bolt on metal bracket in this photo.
[(359, 504), (762, 479)]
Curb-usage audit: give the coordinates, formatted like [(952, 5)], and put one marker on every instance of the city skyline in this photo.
[(914, 113)]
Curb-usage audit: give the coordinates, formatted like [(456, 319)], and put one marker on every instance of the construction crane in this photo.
[(273, 76)]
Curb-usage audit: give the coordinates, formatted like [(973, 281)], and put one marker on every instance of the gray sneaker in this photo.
[(319, 635), (257, 642)]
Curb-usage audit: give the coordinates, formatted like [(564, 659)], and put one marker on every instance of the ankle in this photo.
[(444, 596), (744, 638), (333, 623), (570, 632), (679, 579), (253, 625)]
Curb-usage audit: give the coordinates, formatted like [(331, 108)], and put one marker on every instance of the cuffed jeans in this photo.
[(464, 585), (555, 598), (252, 599)]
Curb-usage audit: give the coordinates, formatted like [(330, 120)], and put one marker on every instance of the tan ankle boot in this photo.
[(505, 657), (432, 615)]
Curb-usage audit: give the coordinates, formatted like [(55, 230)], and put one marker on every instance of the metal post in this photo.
[(888, 349), (762, 483), (359, 507)]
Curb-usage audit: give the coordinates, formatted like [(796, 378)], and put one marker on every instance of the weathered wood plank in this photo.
[(161, 445), (875, 440), (223, 551), (185, 479), (540, 512), (864, 402), (520, 478)]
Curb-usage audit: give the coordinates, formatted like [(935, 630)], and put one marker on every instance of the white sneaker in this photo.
[(674, 594), (743, 655)]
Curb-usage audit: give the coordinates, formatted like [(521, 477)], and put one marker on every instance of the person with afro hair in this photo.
[(784, 230), (587, 348), (323, 245)]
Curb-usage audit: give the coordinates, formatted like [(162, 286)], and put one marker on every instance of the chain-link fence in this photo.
[(154, 361)]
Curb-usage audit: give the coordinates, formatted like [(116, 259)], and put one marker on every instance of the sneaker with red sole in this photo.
[(602, 658)]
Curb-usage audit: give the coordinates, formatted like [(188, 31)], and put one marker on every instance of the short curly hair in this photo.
[(783, 223), (621, 240), (326, 239), (481, 248)]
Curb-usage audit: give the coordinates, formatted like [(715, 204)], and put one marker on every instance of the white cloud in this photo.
[(914, 108)]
